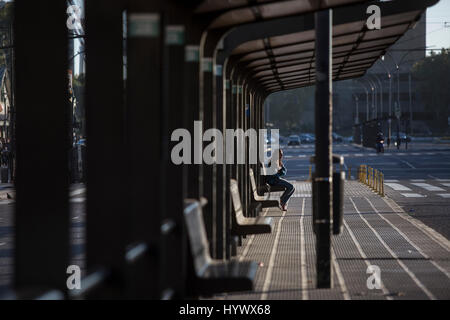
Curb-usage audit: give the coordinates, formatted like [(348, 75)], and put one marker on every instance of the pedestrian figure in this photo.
[(276, 180)]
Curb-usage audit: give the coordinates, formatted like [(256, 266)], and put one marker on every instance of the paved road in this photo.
[(418, 179), (77, 211)]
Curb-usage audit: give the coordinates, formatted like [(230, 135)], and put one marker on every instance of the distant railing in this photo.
[(373, 178)]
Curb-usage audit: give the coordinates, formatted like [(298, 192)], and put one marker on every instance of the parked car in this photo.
[(337, 138), (81, 142), (294, 140), (348, 139), (306, 138)]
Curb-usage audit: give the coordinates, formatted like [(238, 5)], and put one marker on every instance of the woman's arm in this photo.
[(282, 172)]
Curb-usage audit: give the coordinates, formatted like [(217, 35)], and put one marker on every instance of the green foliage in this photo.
[(6, 14), (79, 81), (433, 75)]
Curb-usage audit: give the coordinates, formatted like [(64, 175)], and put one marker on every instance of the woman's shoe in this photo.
[(283, 207)]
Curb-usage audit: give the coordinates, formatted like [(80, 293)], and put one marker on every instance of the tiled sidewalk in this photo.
[(413, 259)]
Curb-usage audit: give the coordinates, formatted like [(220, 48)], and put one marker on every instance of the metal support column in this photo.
[(245, 175), (191, 106), (173, 234), (143, 139), (230, 118), (206, 110), (42, 205), (107, 219), (220, 172), (323, 159)]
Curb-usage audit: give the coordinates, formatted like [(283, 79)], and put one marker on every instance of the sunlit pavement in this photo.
[(418, 179), (413, 260)]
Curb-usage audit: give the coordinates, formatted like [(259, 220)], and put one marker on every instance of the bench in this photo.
[(213, 276), (259, 199), (241, 225)]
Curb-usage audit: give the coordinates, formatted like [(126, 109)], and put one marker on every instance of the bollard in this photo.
[(377, 180), (379, 183), (371, 178), (365, 174), (375, 186)]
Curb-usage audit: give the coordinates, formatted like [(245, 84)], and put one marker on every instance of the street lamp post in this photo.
[(374, 97), (398, 64), (367, 98), (389, 75), (357, 109), (381, 94)]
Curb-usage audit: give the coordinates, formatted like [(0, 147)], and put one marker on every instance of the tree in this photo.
[(433, 84), (6, 13)]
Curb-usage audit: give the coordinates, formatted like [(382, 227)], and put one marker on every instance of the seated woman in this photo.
[(275, 180)]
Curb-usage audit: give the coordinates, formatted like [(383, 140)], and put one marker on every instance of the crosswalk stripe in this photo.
[(428, 187), (398, 187), (446, 184), (444, 195), (413, 195)]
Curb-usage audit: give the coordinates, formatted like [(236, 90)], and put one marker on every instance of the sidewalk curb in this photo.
[(362, 147), (433, 234), (7, 194)]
